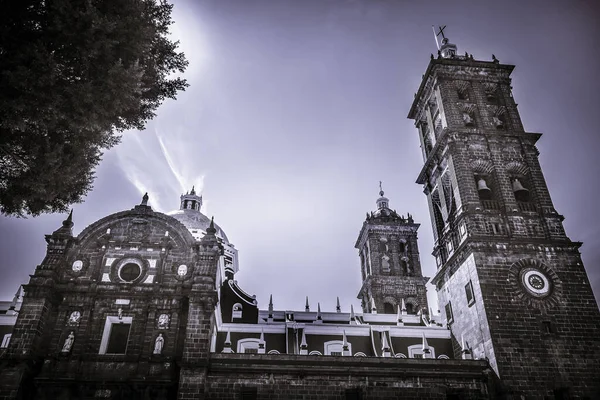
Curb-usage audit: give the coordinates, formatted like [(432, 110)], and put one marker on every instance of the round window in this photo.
[(535, 282), (130, 272)]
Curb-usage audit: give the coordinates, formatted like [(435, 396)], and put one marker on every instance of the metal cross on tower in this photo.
[(441, 32)]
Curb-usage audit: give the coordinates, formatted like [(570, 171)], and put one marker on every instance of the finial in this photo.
[(403, 309), (192, 192), (352, 316), (338, 308), (344, 339), (425, 347), (303, 342), (68, 223), (306, 307), (319, 312), (145, 199), (271, 304), (380, 189), (494, 59), (211, 228), (373, 307), (385, 347), (262, 335)]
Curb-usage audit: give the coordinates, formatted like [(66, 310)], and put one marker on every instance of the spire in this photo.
[(193, 192), (373, 307), (211, 228), (307, 307), (319, 318), (338, 308), (403, 309), (270, 304), (67, 226), (352, 316)]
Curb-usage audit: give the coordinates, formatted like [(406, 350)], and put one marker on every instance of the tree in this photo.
[(73, 75)]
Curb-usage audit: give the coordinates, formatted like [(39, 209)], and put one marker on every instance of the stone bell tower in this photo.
[(510, 282), (389, 260)]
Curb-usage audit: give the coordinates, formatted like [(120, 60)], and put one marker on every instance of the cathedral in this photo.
[(146, 305)]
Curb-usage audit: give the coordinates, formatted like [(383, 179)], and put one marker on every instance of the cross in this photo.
[(441, 32), (380, 186)]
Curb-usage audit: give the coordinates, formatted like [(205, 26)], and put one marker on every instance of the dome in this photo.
[(196, 223)]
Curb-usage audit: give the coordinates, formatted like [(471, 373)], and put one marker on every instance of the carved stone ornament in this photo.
[(163, 321), (77, 266), (182, 270), (138, 230), (74, 318)]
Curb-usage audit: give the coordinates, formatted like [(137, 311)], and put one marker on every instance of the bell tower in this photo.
[(389, 260), (510, 282)]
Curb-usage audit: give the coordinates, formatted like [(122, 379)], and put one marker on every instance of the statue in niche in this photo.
[(385, 262), (68, 343), (158, 344), (467, 119)]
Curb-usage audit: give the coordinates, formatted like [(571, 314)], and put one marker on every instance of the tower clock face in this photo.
[(536, 282)]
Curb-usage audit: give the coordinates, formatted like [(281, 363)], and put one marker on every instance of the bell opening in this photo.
[(521, 193), (485, 193)]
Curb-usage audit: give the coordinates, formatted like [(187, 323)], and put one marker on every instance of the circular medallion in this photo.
[(77, 266), (535, 282), (182, 270), (130, 272)]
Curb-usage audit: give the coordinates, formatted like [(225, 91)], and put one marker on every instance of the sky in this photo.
[(297, 109)]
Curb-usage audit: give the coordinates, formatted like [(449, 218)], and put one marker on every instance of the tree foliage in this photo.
[(73, 74)]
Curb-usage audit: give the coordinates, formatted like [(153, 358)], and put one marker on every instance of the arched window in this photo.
[(409, 308), (248, 346), (416, 351), (315, 353), (335, 348), (400, 355), (274, 352), (360, 354)]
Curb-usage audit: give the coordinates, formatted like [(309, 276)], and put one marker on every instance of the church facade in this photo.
[(145, 305)]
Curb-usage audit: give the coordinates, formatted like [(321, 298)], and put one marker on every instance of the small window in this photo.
[(335, 348), (335, 353), (469, 293), (249, 393), (449, 315), (547, 327), (251, 351), (5, 340)]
